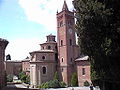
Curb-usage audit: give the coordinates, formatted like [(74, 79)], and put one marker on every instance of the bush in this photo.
[(55, 83), (24, 78), (62, 84), (20, 75), (86, 83), (9, 78), (52, 84), (44, 85)]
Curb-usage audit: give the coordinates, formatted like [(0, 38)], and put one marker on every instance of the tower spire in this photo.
[(65, 7)]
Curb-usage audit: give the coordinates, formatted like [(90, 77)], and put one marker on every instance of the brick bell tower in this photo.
[(66, 43)]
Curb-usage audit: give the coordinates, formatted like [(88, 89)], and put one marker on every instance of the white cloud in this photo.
[(43, 11), (20, 48)]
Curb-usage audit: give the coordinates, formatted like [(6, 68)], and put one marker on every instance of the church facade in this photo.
[(62, 56)]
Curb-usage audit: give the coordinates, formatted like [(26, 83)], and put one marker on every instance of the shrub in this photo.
[(44, 85), (86, 83), (62, 84), (24, 78), (9, 78), (55, 83), (52, 84)]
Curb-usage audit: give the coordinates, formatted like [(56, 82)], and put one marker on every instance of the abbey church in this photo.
[(62, 55)]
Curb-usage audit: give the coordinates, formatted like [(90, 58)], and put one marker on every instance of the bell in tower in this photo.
[(50, 38), (66, 43)]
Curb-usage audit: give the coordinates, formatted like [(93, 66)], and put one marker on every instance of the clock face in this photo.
[(70, 31)]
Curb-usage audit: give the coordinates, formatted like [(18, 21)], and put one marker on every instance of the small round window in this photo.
[(43, 57), (49, 47)]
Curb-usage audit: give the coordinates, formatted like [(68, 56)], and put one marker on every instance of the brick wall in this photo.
[(83, 75), (3, 44)]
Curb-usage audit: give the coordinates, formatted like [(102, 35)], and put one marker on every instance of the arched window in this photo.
[(70, 42), (71, 59), (49, 47), (44, 70), (62, 59), (83, 71), (62, 69), (55, 47), (61, 23), (61, 42), (43, 57)]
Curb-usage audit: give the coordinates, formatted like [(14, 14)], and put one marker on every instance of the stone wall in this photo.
[(13, 67)]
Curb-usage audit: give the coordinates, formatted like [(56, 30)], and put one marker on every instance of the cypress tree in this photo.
[(98, 29)]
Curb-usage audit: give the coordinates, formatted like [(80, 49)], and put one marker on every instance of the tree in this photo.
[(86, 83), (98, 29), (8, 57), (24, 78), (56, 76), (74, 80)]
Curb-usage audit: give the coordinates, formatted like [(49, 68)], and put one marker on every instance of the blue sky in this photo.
[(25, 24)]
